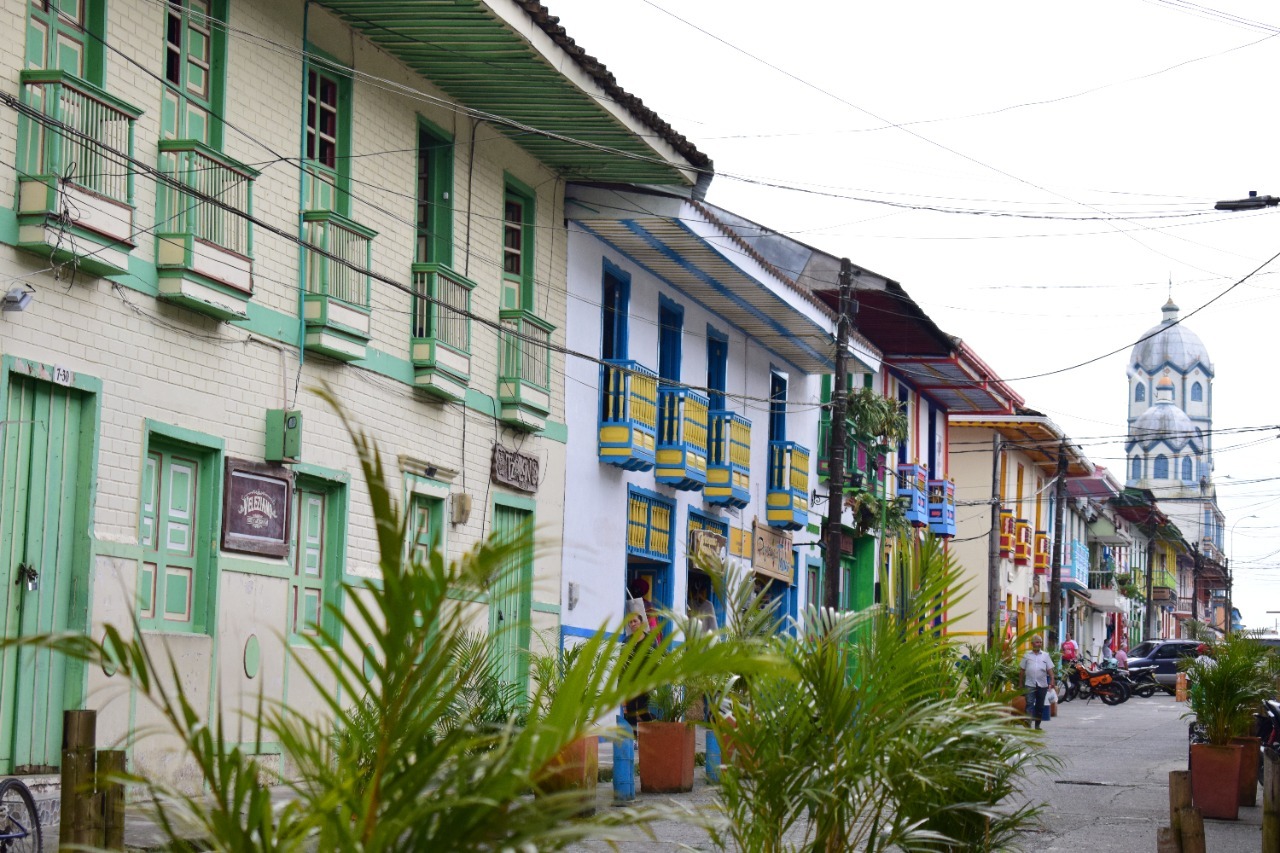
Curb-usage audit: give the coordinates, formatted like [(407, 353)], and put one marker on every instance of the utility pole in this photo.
[(993, 548), (1059, 543), (832, 534)]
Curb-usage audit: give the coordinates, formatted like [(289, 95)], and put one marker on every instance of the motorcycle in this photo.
[(1141, 680), (1085, 684)]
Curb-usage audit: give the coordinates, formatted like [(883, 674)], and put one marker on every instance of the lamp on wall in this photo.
[(17, 298)]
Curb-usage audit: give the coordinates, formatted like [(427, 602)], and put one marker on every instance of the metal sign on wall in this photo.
[(256, 508), (515, 469), (771, 555)]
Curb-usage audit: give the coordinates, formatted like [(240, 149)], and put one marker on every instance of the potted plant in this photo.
[(666, 745), (1227, 684), (577, 765)]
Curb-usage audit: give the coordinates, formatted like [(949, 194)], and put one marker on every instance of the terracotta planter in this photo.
[(666, 757), (575, 766), (1248, 769), (1215, 780), (1019, 703)]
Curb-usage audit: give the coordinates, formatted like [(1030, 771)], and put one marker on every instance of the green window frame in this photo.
[(434, 196), (518, 217), (326, 151), (319, 556), (194, 71), (178, 532), (67, 35)]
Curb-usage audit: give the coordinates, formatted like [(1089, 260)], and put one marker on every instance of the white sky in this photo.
[(1122, 108)]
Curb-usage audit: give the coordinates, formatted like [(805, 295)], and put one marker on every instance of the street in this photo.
[(1110, 794)]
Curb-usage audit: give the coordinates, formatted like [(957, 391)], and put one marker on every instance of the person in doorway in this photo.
[(702, 609), (636, 709), (1037, 678)]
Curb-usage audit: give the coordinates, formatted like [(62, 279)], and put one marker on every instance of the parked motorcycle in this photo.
[(1085, 683), (1141, 680)]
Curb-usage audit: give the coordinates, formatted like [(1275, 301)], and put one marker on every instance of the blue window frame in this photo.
[(1135, 469), (904, 406), (1140, 393), (777, 406), (615, 302), (670, 332), (717, 366), (1186, 468), (932, 460), (1197, 392), (1160, 471)]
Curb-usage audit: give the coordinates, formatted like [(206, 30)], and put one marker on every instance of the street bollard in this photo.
[(624, 764), (713, 758)]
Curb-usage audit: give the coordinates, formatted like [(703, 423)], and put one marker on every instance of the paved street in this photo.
[(1110, 794)]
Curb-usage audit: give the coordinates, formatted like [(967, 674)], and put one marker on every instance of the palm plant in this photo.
[(426, 756), (1227, 686), (869, 742)]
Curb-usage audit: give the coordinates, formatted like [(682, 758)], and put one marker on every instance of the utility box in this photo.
[(284, 436)]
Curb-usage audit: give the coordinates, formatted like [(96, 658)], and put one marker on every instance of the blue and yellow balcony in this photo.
[(628, 415), (728, 460), (942, 507), (441, 342), (524, 370), (682, 438), (787, 494), (913, 488), (75, 178)]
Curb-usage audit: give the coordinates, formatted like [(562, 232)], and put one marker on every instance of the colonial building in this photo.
[(220, 206)]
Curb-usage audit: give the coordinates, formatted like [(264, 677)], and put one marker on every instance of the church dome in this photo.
[(1170, 343), (1165, 422)]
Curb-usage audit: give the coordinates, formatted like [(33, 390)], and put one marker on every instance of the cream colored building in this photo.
[(221, 206)]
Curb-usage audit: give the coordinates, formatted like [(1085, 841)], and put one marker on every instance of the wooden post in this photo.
[(1271, 803), (80, 805), (1167, 840), (111, 763), (1179, 799), (1192, 823)]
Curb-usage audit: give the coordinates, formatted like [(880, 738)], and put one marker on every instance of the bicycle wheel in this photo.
[(19, 822)]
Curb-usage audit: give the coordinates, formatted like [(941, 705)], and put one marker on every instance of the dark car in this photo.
[(1164, 655)]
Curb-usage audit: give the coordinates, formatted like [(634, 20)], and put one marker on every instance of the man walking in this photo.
[(1037, 677)]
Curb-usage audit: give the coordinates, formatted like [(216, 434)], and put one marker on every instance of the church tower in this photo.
[(1169, 449)]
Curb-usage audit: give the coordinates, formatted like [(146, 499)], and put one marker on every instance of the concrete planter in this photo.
[(666, 757)]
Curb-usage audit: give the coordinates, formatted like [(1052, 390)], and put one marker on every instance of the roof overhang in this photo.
[(1104, 530), (686, 245), (512, 64), (1037, 436)]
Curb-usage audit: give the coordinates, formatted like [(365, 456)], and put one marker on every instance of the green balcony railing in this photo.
[(442, 301), (201, 174), (526, 349), (338, 270), (85, 136)]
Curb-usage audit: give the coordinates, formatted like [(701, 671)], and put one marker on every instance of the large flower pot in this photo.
[(1249, 769), (666, 757), (575, 766), (1215, 780)]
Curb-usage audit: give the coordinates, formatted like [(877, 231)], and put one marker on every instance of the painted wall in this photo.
[(161, 362), (596, 496)]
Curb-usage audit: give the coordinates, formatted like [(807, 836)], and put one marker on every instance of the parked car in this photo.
[(1164, 655)]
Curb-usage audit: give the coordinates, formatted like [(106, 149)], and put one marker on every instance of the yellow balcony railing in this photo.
[(682, 438), (628, 415), (728, 459)]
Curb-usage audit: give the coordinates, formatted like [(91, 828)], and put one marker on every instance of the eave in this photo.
[(1038, 437)]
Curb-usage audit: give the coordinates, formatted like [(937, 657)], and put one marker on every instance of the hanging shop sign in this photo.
[(771, 555), (515, 469), (255, 508), (707, 547)]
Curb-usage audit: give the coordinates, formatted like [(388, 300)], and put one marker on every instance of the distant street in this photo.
[(1110, 794)]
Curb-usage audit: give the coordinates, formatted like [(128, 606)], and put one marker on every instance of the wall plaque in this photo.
[(515, 469), (256, 508), (771, 555)]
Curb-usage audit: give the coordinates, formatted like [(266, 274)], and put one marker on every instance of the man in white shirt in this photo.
[(1037, 677)]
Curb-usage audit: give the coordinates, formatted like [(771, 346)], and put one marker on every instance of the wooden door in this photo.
[(511, 599), (45, 501)]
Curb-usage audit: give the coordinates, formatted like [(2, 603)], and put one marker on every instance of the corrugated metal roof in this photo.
[(512, 59)]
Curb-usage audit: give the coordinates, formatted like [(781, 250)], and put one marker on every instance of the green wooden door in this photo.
[(510, 599), (45, 500)]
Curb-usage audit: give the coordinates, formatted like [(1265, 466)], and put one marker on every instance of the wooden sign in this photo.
[(706, 548), (771, 555), (515, 469), (256, 507)]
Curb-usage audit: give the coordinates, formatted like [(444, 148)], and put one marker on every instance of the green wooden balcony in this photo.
[(787, 491), (682, 438), (441, 344), (728, 460), (337, 286), (524, 370), (204, 251), (75, 181)]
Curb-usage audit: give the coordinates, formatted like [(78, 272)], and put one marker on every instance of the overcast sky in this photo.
[(1035, 175)]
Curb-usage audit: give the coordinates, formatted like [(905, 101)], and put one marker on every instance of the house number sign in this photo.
[(515, 469), (256, 508)]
